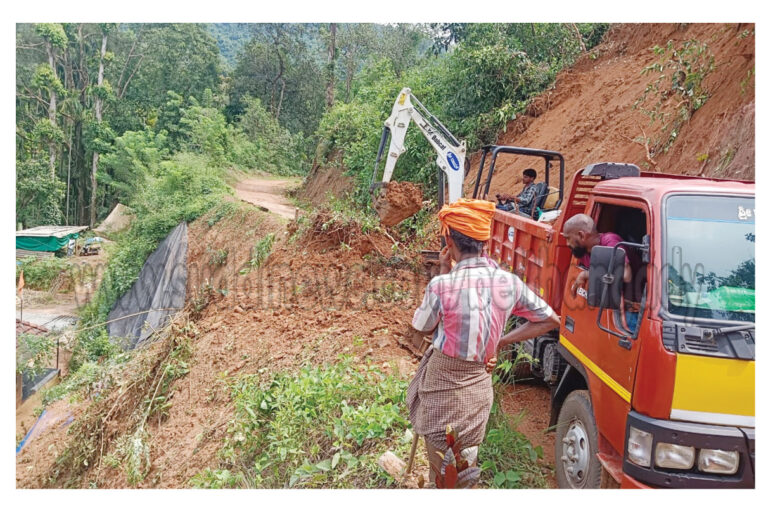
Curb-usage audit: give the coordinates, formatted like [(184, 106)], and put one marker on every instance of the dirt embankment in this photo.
[(329, 291), (589, 114), (326, 179), (327, 288)]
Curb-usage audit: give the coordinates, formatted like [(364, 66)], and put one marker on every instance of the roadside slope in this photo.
[(589, 114)]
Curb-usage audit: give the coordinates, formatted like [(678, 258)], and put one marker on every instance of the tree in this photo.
[(283, 66), (331, 68), (182, 58), (55, 39), (100, 91), (355, 44)]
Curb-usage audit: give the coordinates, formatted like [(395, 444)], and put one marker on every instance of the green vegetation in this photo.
[(261, 251), (678, 91), (46, 273), (92, 123), (34, 353), (507, 459), (323, 427)]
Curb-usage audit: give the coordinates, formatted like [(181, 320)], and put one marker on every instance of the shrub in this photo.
[(44, 273), (324, 427)]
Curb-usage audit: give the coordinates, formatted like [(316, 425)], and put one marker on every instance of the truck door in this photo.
[(610, 367)]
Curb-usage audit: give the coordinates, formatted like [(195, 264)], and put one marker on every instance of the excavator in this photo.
[(451, 154), (394, 207), (451, 162)]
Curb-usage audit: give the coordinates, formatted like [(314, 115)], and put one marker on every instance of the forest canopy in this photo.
[(102, 108)]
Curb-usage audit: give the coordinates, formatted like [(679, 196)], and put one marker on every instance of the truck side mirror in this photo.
[(606, 274)]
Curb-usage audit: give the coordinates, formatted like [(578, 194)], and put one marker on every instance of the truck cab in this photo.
[(668, 402)]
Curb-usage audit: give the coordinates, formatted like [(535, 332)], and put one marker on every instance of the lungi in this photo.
[(446, 390)]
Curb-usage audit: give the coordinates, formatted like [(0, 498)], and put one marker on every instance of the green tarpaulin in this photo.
[(43, 243)]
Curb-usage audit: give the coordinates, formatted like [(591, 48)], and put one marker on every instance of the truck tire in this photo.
[(576, 463)]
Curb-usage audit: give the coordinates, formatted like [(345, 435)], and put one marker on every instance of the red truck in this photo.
[(670, 403)]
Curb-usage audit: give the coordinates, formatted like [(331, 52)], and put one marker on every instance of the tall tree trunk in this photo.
[(279, 77), (331, 67), (97, 106), (280, 102), (51, 112), (69, 179)]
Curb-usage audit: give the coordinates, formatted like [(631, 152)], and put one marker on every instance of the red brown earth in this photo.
[(398, 201), (588, 113)]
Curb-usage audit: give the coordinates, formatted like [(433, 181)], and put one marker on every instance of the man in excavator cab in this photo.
[(523, 201)]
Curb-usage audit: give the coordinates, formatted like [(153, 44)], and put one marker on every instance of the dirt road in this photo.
[(268, 193)]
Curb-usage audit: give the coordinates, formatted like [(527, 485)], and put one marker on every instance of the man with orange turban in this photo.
[(465, 308)]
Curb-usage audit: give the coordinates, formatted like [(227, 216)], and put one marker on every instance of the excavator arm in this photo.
[(451, 153)]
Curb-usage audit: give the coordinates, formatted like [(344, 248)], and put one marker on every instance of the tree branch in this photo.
[(125, 86)]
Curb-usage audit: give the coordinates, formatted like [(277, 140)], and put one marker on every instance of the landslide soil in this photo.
[(325, 290), (398, 201), (312, 300), (588, 113)]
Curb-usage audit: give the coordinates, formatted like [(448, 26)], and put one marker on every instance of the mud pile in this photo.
[(398, 201)]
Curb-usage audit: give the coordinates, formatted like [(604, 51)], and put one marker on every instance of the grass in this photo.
[(507, 459), (261, 251), (326, 426), (47, 272), (322, 428)]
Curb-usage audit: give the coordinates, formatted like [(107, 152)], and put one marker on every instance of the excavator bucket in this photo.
[(397, 201)]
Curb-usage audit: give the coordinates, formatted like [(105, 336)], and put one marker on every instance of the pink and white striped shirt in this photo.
[(471, 305)]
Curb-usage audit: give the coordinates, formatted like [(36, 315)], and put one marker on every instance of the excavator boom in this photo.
[(450, 158)]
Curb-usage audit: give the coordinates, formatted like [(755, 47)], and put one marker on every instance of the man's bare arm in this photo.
[(529, 330)]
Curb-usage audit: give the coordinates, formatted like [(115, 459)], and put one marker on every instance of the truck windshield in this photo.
[(710, 256)]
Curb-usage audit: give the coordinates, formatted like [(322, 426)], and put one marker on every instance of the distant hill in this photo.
[(231, 37)]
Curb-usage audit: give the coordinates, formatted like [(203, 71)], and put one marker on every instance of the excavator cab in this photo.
[(546, 197)]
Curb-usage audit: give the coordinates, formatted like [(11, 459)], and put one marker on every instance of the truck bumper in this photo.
[(629, 482), (700, 436)]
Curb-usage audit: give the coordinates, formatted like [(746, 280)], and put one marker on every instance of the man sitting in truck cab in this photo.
[(581, 235), (524, 200)]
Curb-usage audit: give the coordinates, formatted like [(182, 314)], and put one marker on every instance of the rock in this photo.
[(391, 464)]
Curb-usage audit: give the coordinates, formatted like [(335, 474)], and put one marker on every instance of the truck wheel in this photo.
[(576, 463)]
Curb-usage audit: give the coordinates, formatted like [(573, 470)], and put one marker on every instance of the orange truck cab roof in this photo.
[(651, 186)]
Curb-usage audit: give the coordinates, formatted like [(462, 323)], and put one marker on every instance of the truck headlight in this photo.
[(674, 456), (716, 461), (639, 447)]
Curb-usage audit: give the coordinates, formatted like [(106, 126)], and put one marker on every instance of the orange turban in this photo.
[(471, 217)]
